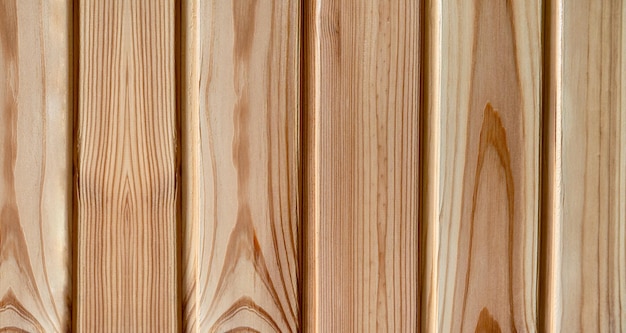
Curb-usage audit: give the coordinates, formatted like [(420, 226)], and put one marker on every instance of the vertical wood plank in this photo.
[(35, 163), (366, 95), (482, 174), (127, 185), (587, 233), (242, 213)]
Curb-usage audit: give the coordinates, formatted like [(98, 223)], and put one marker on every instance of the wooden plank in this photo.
[(35, 163), (242, 176), (482, 166), (366, 86), (586, 280), (127, 186)]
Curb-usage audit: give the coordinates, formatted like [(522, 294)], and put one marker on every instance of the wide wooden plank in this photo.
[(241, 174), (127, 186), (363, 86), (479, 255), (35, 164), (586, 213)]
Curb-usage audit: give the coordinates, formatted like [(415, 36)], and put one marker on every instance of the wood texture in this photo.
[(35, 164), (242, 205), (586, 217), (366, 86), (127, 184), (482, 174)]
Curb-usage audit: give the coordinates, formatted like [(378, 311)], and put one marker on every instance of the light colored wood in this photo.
[(587, 237), (483, 95), (127, 187), (242, 206), (35, 164), (366, 86), (191, 167)]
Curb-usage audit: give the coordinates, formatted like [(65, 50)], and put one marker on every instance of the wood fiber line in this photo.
[(35, 166), (242, 269), (365, 95), (586, 240), (127, 182), (482, 150)]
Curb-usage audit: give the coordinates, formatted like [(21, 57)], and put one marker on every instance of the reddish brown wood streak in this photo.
[(486, 323), (492, 134)]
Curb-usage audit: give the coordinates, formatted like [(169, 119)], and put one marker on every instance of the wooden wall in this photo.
[(312, 166)]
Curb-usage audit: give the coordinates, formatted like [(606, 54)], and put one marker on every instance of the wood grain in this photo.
[(482, 174), (242, 210), (586, 213), (127, 184), (366, 86), (35, 163)]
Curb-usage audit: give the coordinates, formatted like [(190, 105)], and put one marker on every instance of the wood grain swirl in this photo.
[(242, 270), (127, 185), (35, 167), (585, 285), (482, 155), (366, 102)]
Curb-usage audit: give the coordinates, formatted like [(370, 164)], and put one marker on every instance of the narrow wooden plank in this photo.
[(242, 213), (588, 233), (366, 86), (35, 163), (126, 277), (481, 209)]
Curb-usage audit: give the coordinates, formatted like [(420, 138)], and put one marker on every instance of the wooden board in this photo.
[(365, 97), (127, 184), (35, 164), (241, 176), (482, 166), (586, 232)]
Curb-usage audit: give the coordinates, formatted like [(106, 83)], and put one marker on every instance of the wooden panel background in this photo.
[(481, 149), (127, 177), (242, 205), (585, 244), (315, 166), (35, 164)]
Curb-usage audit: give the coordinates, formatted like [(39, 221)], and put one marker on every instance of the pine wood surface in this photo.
[(242, 215), (481, 149), (127, 186), (35, 164), (366, 97), (585, 277), (312, 166)]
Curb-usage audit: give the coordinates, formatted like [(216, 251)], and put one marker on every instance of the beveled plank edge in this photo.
[(550, 175), (309, 163), (190, 153), (74, 49)]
